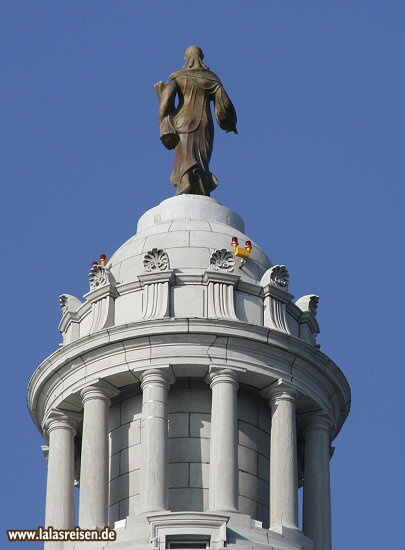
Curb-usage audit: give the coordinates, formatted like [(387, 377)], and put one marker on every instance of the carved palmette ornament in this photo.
[(222, 260), (64, 303), (98, 276), (313, 304), (279, 276), (308, 303), (156, 260), (68, 302)]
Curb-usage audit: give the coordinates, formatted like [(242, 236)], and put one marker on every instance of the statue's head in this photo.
[(193, 57)]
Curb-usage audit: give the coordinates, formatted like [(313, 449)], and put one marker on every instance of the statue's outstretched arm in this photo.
[(166, 94), (225, 111)]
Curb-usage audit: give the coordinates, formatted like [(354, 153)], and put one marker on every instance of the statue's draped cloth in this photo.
[(192, 121)]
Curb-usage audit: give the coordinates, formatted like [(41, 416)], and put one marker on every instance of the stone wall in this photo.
[(189, 444), (253, 455), (125, 456), (189, 411)]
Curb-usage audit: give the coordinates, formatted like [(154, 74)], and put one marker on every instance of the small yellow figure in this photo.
[(242, 253)]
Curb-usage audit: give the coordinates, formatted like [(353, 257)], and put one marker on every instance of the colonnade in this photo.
[(223, 489)]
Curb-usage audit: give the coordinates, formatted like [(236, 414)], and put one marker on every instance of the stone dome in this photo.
[(181, 265), (189, 228)]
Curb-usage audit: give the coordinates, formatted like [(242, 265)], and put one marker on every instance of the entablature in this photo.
[(116, 355)]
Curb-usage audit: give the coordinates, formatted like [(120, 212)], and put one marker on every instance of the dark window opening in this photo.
[(189, 544)]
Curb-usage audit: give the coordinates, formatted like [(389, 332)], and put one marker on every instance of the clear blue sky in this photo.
[(315, 171)]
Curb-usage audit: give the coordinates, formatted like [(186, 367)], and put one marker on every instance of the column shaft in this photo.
[(283, 459), (93, 509), (224, 442), (59, 512), (154, 436), (317, 507)]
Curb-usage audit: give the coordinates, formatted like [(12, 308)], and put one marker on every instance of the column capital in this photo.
[(319, 420), (157, 376), (218, 374), (99, 390), (280, 391), (59, 419)]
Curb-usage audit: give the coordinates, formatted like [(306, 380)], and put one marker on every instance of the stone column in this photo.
[(154, 384), (317, 508), (283, 458), (223, 492), (93, 508), (59, 511)]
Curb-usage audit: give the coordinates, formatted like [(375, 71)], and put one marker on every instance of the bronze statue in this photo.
[(187, 126)]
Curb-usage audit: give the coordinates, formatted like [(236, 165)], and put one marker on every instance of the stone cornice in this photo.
[(168, 326), (275, 292), (101, 292), (157, 277), (129, 287), (120, 351), (68, 318), (216, 277)]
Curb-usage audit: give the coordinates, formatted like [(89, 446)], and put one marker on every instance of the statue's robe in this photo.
[(192, 121)]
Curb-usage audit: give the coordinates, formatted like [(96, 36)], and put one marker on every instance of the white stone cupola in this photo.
[(189, 399)]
